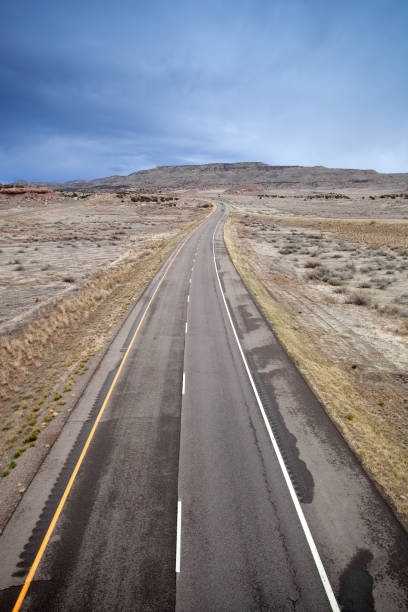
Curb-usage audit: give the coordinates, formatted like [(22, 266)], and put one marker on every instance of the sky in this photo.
[(91, 88)]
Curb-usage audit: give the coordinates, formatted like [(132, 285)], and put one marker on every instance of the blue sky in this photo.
[(94, 88)]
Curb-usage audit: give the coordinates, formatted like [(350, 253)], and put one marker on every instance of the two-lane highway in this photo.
[(165, 490)]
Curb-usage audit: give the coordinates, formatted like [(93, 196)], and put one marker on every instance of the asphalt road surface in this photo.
[(213, 479)]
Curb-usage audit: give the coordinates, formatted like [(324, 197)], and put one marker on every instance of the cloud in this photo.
[(89, 90)]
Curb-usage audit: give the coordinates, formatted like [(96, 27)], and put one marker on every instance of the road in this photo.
[(172, 486)]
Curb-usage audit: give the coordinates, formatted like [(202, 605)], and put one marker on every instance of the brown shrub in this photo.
[(358, 299)]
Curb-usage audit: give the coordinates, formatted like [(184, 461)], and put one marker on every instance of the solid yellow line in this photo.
[(61, 504)]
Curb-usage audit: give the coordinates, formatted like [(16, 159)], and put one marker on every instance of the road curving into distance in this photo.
[(199, 472)]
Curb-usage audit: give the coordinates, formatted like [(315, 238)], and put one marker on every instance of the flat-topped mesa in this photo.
[(229, 175)]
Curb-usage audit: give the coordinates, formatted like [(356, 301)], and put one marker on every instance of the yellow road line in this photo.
[(61, 504)]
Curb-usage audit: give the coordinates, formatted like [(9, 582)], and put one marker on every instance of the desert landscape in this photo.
[(71, 265), (329, 269), (330, 272)]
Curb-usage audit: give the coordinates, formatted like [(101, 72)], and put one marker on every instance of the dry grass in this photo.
[(369, 412), (363, 231), (41, 362)]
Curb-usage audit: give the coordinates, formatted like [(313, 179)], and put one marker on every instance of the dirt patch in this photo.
[(337, 298)]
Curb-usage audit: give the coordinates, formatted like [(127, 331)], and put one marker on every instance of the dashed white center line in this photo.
[(184, 383), (186, 326), (178, 542), (188, 298)]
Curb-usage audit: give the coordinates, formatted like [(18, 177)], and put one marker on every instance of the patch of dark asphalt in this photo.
[(356, 584), (251, 321), (398, 559), (8, 597), (300, 476), (267, 354)]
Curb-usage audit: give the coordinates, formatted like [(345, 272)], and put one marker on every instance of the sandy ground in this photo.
[(335, 289)]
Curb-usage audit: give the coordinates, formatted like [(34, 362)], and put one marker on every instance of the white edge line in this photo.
[(184, 383), (178, 542), (313, 549)]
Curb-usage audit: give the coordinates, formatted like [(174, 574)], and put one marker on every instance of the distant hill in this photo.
[(249, 175)]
